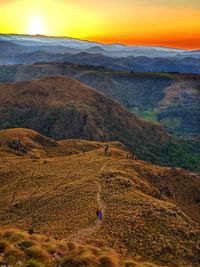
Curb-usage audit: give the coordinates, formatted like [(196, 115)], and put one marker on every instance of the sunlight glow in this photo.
[(154, 22), (36, 26)]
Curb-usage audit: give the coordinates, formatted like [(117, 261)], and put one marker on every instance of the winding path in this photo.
[(84, 233)]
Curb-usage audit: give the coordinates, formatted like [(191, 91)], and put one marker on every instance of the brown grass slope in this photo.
[(25, 142), (59, 196), (18, 248), (29, 143), (65, 108)]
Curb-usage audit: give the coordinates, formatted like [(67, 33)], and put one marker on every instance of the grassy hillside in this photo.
[(150, 212), (31, 144), (172, 99), (63, 108), (19, 248)]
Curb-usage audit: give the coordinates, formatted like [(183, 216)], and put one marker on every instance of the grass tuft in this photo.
[(33, 263), (107, 260), (36, 252)]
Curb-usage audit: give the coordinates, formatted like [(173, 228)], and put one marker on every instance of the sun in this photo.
[(36, 26)]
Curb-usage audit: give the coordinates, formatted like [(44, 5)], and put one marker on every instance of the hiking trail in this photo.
[(84, 233)]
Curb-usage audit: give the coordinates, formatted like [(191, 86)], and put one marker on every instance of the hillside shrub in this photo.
[(33, 263)]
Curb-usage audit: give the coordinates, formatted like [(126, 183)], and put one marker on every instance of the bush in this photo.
[(8, 233), (71, 262), (130, 264), (26, 244), (37, 253), (14, 253), (18, 236), (88, 259), (33, 263), (109, 261)]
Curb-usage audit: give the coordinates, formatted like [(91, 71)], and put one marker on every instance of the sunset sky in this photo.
[(173, 23)]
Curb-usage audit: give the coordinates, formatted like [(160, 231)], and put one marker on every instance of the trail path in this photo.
[(84, 233)]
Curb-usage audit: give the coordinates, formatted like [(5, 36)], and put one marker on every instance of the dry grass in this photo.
[(33, 263), (37, 253), (59, 199), (40, 253)]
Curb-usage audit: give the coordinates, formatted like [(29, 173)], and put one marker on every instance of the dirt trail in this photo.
[(84, 233)]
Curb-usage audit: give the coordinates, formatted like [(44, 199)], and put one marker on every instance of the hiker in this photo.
[(134, 157), (97, 213), (106, 149), (129, 156), (100, 215)]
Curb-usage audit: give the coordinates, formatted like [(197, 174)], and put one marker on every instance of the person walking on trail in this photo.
[(131, 156), (128, 156), (100, 215), (134, 157), (97, 213), (106, 149)]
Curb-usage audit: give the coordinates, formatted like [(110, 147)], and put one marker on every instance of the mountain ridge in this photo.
[(67, 37), (171, 99)]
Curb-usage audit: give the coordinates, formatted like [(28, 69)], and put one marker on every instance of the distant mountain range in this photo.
[(20, 49)]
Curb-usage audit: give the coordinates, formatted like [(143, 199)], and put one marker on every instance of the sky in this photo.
[(173, 23)]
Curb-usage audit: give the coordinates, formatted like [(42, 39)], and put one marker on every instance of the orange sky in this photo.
[(145, 22)]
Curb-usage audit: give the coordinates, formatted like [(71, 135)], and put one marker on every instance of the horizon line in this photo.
[(98, 42)]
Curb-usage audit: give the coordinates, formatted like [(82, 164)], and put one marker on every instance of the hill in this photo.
[(95, 49), (171, 100), (64, 108), (150, 212), (61, 107), (30, 144)]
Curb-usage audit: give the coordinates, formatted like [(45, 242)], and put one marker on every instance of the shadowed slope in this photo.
[(64, 108), (172, 100)]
